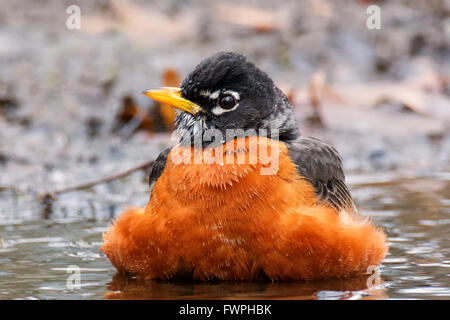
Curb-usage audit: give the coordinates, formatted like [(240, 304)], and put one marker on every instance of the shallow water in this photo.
[(39, 243)]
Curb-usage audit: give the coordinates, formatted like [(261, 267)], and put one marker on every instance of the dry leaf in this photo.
[(131, 112), (170, 78), (320, 8), (145, 27), (259, 20)]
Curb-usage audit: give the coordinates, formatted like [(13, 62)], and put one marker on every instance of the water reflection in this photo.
[(124, 287), (35, 252)]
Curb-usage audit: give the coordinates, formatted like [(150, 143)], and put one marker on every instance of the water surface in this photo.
[(40, 242)]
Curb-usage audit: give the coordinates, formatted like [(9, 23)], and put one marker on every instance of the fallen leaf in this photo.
[(170, 78), (259, 20), (144, 26), (132, 113)]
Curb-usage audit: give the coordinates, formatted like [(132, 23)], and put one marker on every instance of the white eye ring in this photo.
[(210, 95), (233, 93), (218, 110)]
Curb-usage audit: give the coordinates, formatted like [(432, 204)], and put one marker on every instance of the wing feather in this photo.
[(158, 167), (321, 164)]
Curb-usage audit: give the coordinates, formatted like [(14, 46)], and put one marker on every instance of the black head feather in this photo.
[(259, 103), (226, 70)]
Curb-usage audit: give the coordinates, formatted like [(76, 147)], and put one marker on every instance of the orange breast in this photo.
[(241, 217)]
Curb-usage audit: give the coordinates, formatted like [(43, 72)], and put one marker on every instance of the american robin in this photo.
[(231, 214)]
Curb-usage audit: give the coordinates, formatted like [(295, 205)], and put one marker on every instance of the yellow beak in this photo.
[(172, 96)]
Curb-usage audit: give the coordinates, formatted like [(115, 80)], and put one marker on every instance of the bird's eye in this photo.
[(227, 101)]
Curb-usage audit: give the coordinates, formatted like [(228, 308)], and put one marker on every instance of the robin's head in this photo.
[(227, 93)]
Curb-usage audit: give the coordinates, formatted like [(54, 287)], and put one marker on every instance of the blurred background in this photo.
[(71, 113)]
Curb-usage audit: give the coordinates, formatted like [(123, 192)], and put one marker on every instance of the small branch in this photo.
[(100, 181), (5, 157)]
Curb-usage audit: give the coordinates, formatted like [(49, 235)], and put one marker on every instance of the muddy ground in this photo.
[(382, 97), (71, 113)]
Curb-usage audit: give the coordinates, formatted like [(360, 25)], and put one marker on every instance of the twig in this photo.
[(5, 157), (100, 181)]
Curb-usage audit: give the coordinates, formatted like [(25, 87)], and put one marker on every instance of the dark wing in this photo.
[(158, 167), (321, 165)]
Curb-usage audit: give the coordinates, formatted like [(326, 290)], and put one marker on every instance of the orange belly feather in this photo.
[(229, 222)]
